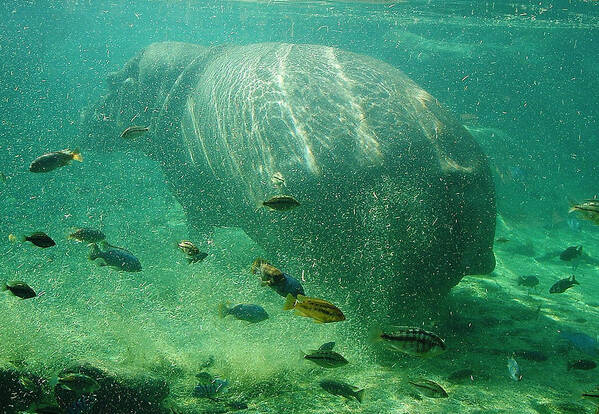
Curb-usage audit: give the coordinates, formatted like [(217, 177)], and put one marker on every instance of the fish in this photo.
[(413, 341), (244, 312), (54, 160), (320, 310), (562, 285), (466, 375), (528, 281), (280, 282), (592, 396), (571, 253), (502, 240), (78, 383), (582, 364), (536, 356), (582, 342), (589, 210), (19, 289), (3, 178), (38, 239), (194, 254), (134, 132), (115, 257), (87, 235), (326, 357), (342, 389), (281, 203), (429, 388), (209, 387), (513, 369)]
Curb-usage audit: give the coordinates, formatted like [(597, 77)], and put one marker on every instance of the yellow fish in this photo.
[(318, 309)]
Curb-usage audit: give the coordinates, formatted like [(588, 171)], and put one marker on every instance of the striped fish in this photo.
[(429, 388), (326, 357), (209, 387), (318, 309), (134, 132), (589, 210), (411, 340)]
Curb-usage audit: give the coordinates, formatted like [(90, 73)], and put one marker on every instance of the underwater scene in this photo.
[(299, 207)]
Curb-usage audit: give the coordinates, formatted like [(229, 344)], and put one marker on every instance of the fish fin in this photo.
[(317, 321), (93, 251), (301, 297), (289, 302), (77, 155), (374, 334), (327, 347), (223, 310), (360, 395)]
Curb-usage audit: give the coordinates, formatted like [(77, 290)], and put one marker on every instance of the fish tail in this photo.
[(360, 395), (223, 310), (289, 302), (76, 154), (374, 334)]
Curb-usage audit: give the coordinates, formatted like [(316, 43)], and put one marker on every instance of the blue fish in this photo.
[(582, 342), (115, 257), (288, 285), (244, 311)]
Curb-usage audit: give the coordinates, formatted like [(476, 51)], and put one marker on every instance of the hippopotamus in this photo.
[(396, 199)]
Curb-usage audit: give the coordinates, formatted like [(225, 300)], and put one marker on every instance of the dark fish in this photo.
[(583, 364), (571, 253), (87, 235), (194, 254), (115, 257), (78, 383), (536, 356), (429, 388), (562, 285), (465, 375), (209, 387), (19, 289), (280, 282), (54, 160), (411, 340), (342, 389), (582, 342), (40, 240), (589, 210), (514, 370), (244, 312), (502, 240), (134, 132), (326, 357), (528, 281), (281, 203)]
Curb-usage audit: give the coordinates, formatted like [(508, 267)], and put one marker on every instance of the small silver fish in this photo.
[(514, 369), (134, 132)]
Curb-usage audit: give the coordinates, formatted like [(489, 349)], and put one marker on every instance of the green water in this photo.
[(522, 78)]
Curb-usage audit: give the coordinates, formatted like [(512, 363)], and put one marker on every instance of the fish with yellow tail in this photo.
[(318, 309), (410, 340), (54, 160)]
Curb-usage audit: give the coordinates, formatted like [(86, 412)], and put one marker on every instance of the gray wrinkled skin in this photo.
[(397, 201)]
